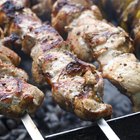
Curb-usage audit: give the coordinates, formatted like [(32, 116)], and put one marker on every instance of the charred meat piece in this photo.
[(50, 64), (79, 90), (64, 11), (44, 38), (22, 24), (8, 9), (18, 97), (90, 37)]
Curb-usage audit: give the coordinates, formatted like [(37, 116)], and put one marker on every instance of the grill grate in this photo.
[(125, 127)]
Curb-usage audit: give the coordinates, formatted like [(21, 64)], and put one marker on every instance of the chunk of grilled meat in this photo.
[(18, 97), (8, 9), (124, 70), (64, 11), (44, 38), (22, 24), (79, 89), (10, 70), (9, 56), (91, 37)]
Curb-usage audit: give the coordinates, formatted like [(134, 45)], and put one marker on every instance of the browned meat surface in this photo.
[(10, 70), (79, 89), (22, 24), (9, 55), (18, 97), (9, 7), (94, 37), (44, 38), (64, 11), (124, 70), (121, 70), (41, 39)]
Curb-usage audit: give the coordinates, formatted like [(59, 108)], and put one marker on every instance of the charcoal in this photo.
[(3, 129), (11, 124)]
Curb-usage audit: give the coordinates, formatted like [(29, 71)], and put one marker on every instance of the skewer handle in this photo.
[(110, 134), (31, 128)]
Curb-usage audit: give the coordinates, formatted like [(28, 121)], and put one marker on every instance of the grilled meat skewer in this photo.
[(17, 97), (76, 85), (92, 38), (53, 62)]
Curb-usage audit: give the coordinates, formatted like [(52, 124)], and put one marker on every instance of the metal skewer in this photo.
[(110, 134), (31, 128)]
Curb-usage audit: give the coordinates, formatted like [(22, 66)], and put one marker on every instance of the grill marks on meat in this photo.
[(18, 24), (16, 95)]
